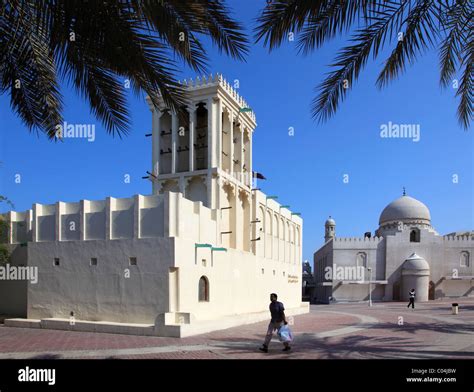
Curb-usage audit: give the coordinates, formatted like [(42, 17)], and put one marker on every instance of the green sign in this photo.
[(203, 246)]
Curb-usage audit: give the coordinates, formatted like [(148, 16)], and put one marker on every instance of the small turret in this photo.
[(330, 229)]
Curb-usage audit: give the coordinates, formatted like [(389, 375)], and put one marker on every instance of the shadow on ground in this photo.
[(307, 345), (46, 356)]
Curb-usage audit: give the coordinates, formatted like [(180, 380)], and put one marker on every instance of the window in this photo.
[(263, 271), (203, 289), (133, 261), (415, 235), (94, 261), (268, 223), (56, 261), (274, 272), (464, 259), (361, 260), (204, 263)]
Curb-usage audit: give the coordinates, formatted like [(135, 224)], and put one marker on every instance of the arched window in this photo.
[(415, 235), (464, 259), (275, 226), (268, 223), (261, 218), (361, 259), (203, 289)]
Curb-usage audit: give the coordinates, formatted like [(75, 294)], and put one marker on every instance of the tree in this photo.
[(100, 46), (416, 26)]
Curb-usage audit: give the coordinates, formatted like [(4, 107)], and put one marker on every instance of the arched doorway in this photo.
[(415, 275), (396, 291), (203, 289)]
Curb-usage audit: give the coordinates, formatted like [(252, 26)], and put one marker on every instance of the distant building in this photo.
[(406, 252), (308, 282)]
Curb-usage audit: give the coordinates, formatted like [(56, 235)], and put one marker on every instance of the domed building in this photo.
[(406, 252)]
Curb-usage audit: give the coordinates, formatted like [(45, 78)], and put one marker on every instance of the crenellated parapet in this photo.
[(139, 216), (358, 239), (219, 80), (458, 238)]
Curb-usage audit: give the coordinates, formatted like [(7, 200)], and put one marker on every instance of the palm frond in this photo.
[(351, 60), (135, 40), (173, 27), (466, 86), (375, 23), (317, 20), (224, 31), (420, 34), (324, 23), (28, 70), (280, 17), (456, 20)]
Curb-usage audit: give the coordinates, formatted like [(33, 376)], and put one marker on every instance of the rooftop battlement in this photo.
[(458, 238), (358, 239), (218, 80)]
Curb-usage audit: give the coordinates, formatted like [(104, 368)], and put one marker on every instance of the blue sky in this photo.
[(306, 170)]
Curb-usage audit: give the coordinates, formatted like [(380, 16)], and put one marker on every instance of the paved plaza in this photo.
[(339, 331)]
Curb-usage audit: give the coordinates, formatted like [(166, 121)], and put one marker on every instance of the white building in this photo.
[(406, 252), (203, 252)]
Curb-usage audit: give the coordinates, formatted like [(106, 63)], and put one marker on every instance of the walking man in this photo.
[(412, 299), (277, 311)]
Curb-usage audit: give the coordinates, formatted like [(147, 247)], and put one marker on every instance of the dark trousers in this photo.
[(272, 327), (412, 303)]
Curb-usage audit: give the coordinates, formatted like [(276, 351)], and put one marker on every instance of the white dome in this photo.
[(405, 208), (415, 262), (330, 222)]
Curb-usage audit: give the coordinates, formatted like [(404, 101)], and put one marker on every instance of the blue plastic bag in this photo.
[(284, 334)]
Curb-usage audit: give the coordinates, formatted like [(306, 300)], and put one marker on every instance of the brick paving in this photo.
[(338, 331)]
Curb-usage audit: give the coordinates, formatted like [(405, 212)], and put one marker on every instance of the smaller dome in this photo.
[(415, 262), (330, 222)]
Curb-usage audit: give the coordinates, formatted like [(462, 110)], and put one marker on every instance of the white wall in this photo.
[(13, 293), (101, 292), (237, 284)]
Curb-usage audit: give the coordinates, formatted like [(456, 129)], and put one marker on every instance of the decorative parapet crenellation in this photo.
[(218, 80), (357, 239), (138, 216), (458, 238)]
